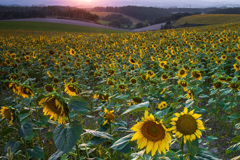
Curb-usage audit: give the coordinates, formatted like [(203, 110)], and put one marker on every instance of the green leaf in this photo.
[(237, 126), (162, 113), (13, 145), (211, 138), (97, 140), (79, 104), (204, 155), (25, 130), (236, 139), (135, 108), (36, 152), (65, 137), (56, 155), (122, 142), (99, 134), (234, 116), (172, 155), (203, 96), (234, 147), (135, 156), (189, 103), (193, 147), (226, 92)]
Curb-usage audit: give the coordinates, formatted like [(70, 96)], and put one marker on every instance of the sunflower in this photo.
[(110, 82), (55, 106), (133, 80), (187, 125), (236, 66), (223, 57), (162, 105), (49, 88), (182, 73), (7, 113), (237, 58), (122, 86), (152, 134), (109, 116), (72, 89), (103, 97), (234, 86), (164, 77), (190, 94), (72, 52), (217, 84), (132, 61), (162, 63), (184, 84), (26, 91), (55, 80), (150, 73), (196, 74), (137, 99)]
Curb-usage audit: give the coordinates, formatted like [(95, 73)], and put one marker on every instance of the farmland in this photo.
[(103, 95), (209, 19)]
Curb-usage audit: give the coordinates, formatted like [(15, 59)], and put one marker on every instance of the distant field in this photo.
[(103, 14), (209, 19), (43, 26)]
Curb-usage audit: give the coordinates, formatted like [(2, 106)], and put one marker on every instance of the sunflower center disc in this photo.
[(186, 124), (182, 72), (71, 88), (152, 131), (109, 116), (7, 114), (51, 104)]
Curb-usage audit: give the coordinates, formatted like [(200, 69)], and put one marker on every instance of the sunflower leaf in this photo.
[(56, 155), (99, 134), (122, 142), (135, 108), (189, 103), (236, 139), (234, 147), (36, 152), (79, 104), (203, 154), (66, 136), (13, 145), (25, 130), (193, 147)]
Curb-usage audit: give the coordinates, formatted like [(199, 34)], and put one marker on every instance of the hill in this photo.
[(44, 26), (208, 19), (104, 14)]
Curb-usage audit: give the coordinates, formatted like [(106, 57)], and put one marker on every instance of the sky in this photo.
[(152, 3)]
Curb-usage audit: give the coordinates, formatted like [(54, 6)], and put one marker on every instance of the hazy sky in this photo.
[(154, 3)]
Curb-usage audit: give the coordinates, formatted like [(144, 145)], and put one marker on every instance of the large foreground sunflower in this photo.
[(187, 125), (152, 134), (54, 106), (7, 113)]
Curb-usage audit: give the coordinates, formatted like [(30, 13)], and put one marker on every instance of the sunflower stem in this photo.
[(110, 132), (26, 152), (182, 147)]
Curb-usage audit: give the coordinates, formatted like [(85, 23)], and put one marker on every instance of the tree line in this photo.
[(15, 12)]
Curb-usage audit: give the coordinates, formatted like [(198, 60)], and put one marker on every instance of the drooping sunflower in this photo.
[(152, 134), (137, 100), (237, 58), (162, 105), (55, 80), (109, 116), (49, 88), (55, 106), (72, 89), (217, 84), (182, 73), (26, 91), (7, 113), (234, 86), (122, 86), (196, 74), (187, 125)]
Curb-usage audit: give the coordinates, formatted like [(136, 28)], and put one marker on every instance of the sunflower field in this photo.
[(170, 94)]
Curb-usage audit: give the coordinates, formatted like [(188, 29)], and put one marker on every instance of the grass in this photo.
[(44, 26), (209, 19), (104, 14)]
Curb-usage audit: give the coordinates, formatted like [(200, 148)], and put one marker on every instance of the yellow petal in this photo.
[(135, 136), (196, 116), (155, 147), (185, 110), (149, 146)]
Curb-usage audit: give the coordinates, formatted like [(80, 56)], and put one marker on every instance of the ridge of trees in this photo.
[(16, 12), (226, 11)]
